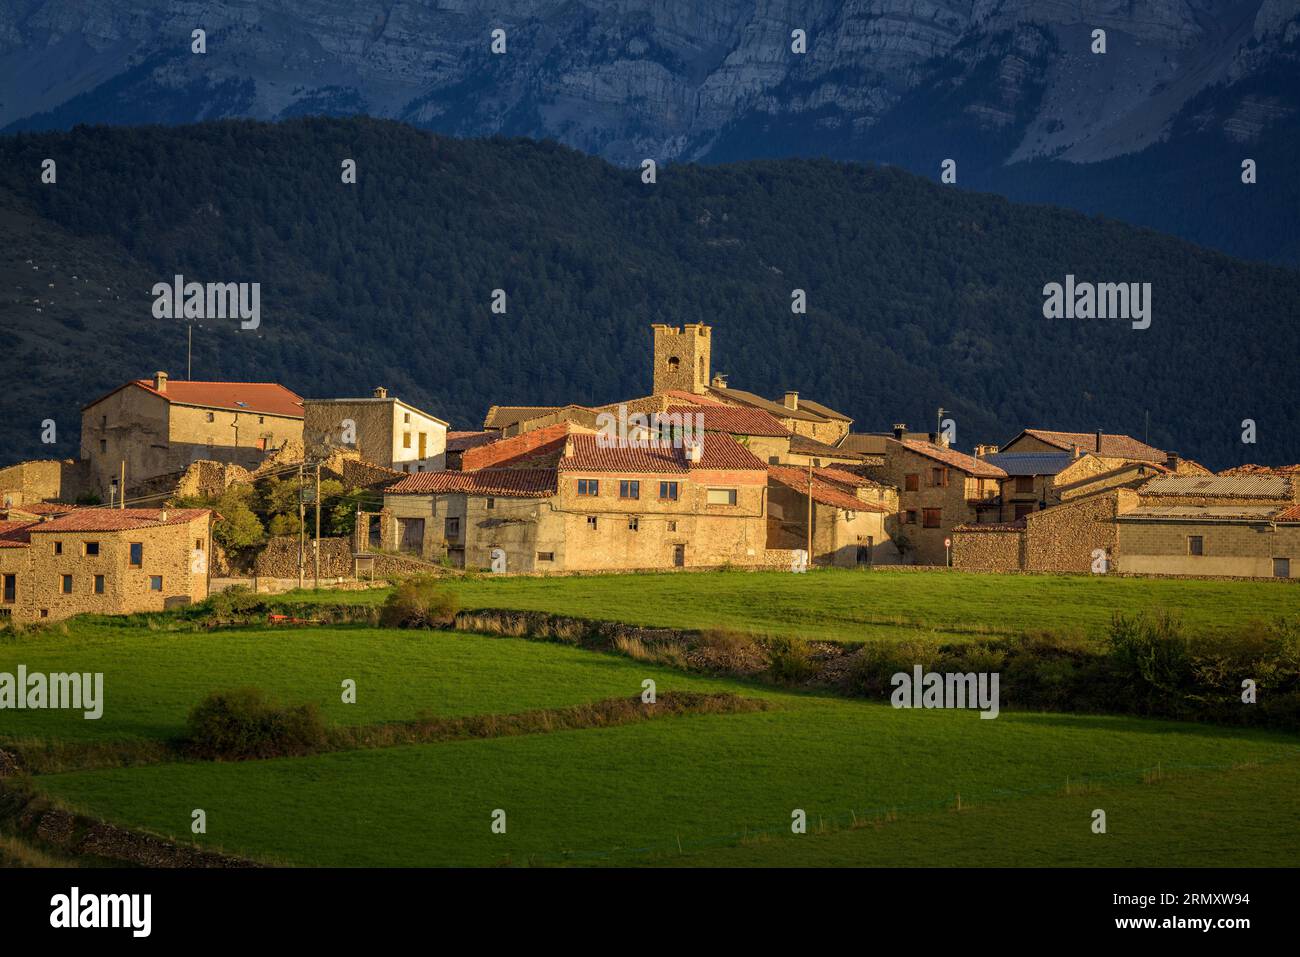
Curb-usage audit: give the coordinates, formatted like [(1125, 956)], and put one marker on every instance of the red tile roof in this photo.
[(1291, 514), (846, 475), (718, 452), (15, 534), (733, 419), (263, 398), (977, 468), (693, 399), (506, 483), (536, 448), (1112, 446), (118, 519), (828, 493), (460, 441), (42, 508)]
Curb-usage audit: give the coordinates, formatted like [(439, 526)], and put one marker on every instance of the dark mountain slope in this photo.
[(919, 295)]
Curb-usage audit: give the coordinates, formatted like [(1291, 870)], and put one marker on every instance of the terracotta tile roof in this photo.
[(536, 448), (1263, 470), (505, 483), (1291, 514), (864, 443), (976, 468), (1220, 486), (262, 398), (719, 452), (825, 411), (733, 419), (43, 508), (758, 402), (827, 493), (14, 534), (846, 475), (460, 441), (1112, 446), (693, 399), (118, 519), (802, 445)]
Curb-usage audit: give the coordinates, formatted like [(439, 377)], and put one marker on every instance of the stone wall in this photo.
[(279, 558), (988, 548)]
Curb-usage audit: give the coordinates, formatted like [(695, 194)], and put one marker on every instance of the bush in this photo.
[(243, 724), (237, 601), (419, 602), (788, 660), (1150, 658)]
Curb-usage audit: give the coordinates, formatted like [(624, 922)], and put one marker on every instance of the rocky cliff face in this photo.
[(661, 78)]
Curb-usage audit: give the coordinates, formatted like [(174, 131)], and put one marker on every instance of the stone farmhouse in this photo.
[(383, 429), (56, 562), (154, 427)]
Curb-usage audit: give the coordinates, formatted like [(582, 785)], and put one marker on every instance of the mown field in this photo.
[(852, 606), (880, 786)]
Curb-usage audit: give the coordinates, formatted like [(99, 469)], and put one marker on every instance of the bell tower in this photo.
[(682, 357)]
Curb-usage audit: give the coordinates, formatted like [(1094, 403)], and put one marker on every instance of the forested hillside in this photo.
[(919, 295)]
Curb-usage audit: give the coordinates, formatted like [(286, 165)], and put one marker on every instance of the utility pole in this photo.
[(301, 526), (121, 487), (316, 547), (189, 351)]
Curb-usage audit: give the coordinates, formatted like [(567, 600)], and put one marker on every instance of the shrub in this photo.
[(237, 601), (1150, 658), (788, 660), (419, 602), (242, 724)]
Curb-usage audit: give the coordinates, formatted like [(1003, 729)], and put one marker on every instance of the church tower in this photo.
[(682, 357)]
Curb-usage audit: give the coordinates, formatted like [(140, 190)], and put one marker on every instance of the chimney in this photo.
[(162, 516), (1172, 461), (983, 450), (380, 392), (792, 401), (694, 450), (719, 380), (900, 429), (1075, 451), (568, 446), (160, 381), (1099, 441)]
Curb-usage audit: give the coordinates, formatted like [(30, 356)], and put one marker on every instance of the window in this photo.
[(92, 548), (931, 517), (103, 421), (909, 517), (491, 502), (406, 417), (99, 584), (633, 523), (588, 486), (1195, 545), (721, 496), (668, 491), (451, 528), (65, 585), (1023, 509), (629, 489), (211, 417), (198, 544), (261, 420), (672, 526), (1024, 483), (155, 583), (11, 589), (58, 548), (1281, 569), (406, 440), (673, 363), (591, 522), (911, 482), (938, 477), (137, 555), (103, 445), (546, 556)]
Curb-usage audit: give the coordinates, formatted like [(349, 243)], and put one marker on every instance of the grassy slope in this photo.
[(619, 794), (852, 606), (152, 679)]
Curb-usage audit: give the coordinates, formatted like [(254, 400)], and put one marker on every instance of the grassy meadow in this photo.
[(880, 786)]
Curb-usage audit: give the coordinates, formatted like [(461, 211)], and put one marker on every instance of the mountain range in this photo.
[(1152, 131)]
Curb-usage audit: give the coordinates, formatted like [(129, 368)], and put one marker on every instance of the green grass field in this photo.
[(853, 606), (880, 787)]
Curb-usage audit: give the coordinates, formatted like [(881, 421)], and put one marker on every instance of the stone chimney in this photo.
[(982, 450), (694, 451), (1099, 441), (1075, 451), (719, 380), (1172, 461), (792, 401), (380, 392), (900, 430), (568, 446), (160, 381)]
